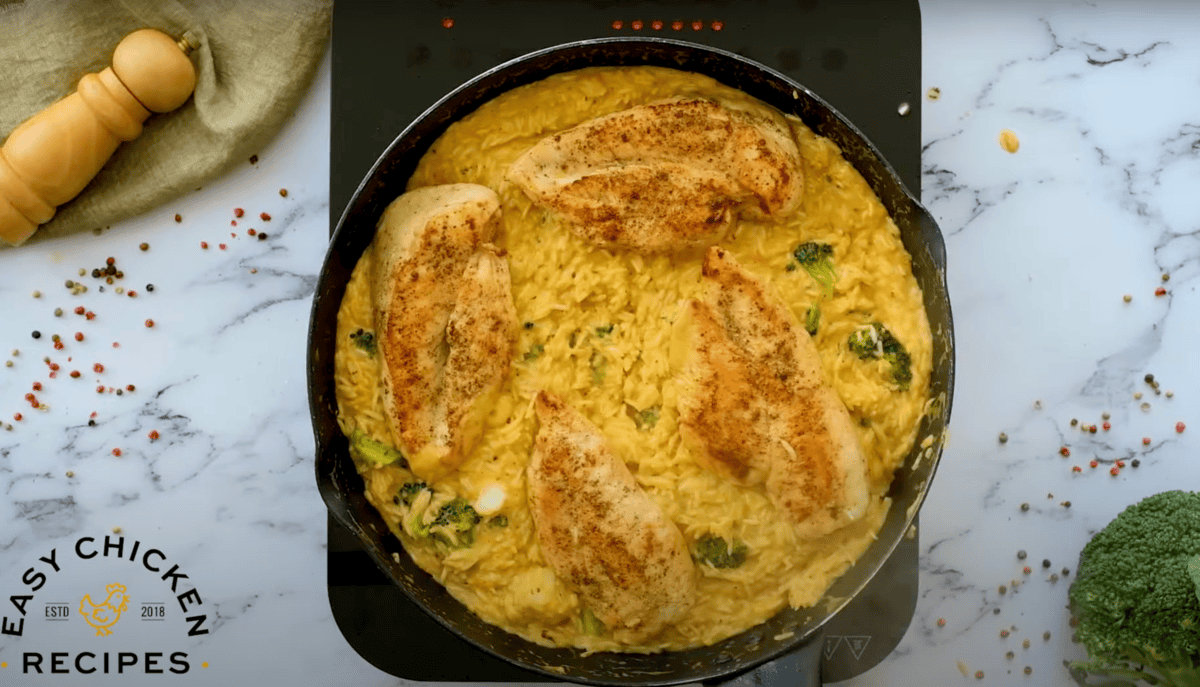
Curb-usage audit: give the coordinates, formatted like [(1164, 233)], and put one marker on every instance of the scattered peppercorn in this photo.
[(58, 312), (1065, 504), (144, 246), (100, 389), (1003, 633), (91, 423), (153, 435), (1045, 562), (221, 246), (54, 366), (119, 392), (1024, 507), (1010, 655), (978, 674), (1107, 426), (149, 323), (58, 345), (1145, 441), (1166, 277), (1120, 463), (1029, 670), (37, 334), (204, 245), (1114, 471), (262, 236), (17, 417), (1074, 422), (1136, 463), (1066, 452), (283, 192), (941, 622), (996, 611), (1093, 463), (1003, 438), (251, 232), (253, 159), (129, 387), (1021, 555), (79, 336), (74, 374), (264, 217), (1076, 468), (132, 293), (1025, 644), (1026, 570), (97, 368), (38, 294), (37, 386), (1160, 291), (1066, 571), (1092, 429), (1179, 427)]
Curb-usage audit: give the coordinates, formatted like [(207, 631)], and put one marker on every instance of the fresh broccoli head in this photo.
[(875, 341), (366, 449), (455, 523), (718, 553), (1136, 597), (817, 260), (364, 340)]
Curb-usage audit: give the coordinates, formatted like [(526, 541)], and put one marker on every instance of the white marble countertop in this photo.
[(1044, 244)]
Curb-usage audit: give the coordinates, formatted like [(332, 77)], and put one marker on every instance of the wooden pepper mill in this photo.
[(52, 156)]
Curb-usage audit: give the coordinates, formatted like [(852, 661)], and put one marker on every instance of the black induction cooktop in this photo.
[(394, 59)]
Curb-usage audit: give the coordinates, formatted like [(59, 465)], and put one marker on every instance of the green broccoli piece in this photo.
[(364, 340), (812, 319), (718, 553), (604, 330), (455, 523), (366, 449), (534, 352), (1136, 597), (875, 341), (408, 492), (817, 260), (599, 365), (590, 623), (646, 419), (499, 521)]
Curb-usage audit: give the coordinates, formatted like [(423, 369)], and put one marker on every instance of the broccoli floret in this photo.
[(364, 340), (646, 419), (409, 491), (812, 319), (591, 625), (366, 449), (1136, 597), (718, 553), (875, 341), (534, 352), (817, 260), (604, 330)]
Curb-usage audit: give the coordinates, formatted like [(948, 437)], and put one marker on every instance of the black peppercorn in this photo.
[(37, 334), (149, 287)]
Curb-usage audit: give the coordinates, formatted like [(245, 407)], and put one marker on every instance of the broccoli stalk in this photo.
[(817, 260), (875, 341), (1136, 597), (591, 625), (718, 553), (366, 449)]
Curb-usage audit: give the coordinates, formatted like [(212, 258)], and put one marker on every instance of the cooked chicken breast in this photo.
[(664, 176), (600, 532), (755, 406), (444, 321)]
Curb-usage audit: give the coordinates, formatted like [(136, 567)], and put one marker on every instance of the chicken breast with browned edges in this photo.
[(444, 319), (600, 532), (664, 176), (755, 406)]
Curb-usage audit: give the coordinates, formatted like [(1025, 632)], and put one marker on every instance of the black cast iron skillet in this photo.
[(791, 639)]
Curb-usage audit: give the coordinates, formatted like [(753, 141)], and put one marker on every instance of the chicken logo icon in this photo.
[(104, 615)]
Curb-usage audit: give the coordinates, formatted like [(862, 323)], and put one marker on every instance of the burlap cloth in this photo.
[(255, 61)]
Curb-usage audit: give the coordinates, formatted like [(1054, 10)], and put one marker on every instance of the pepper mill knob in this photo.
[(52, 156)]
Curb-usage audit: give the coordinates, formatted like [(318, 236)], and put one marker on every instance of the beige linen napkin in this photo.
[(256, 58)]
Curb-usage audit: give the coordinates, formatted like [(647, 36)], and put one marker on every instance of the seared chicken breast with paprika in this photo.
[(444, 320), (755, 406), (665, 176), (600, 532)]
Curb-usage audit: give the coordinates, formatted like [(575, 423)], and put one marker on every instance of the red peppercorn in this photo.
[(116, 344), (54, 366), (233, 222), (1026, 570), (79, 310), (941, 622), (204, 245), (251, 232), (116, 452), (222, 246), (30, 397), (79, 336), (1145, 441), (1076, 469), (110, 261), (75, 374), (1092, 429), (35, 405), (90, 315), (1160, 291), (1120, 463), (129, 387), (1093, 463), (1179, 427), (37, 386), (52, 375), (100, 389), (131, 294), (58, 345), (1107, 426), (98, 368), (1066, 452), (153, 434), (264, 217), (1114, 471), (149, 323), (238, 212), (178, 218), (17, 417)]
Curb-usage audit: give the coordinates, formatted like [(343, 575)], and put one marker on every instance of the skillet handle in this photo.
[(800, 668)]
